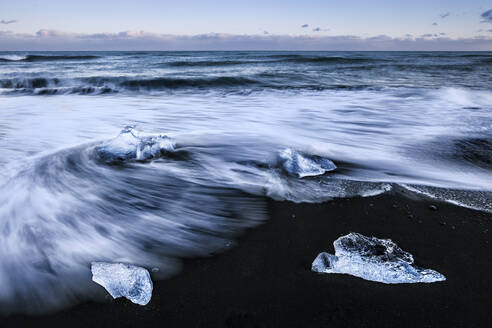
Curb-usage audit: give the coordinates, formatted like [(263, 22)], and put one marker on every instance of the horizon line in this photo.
[(239, 50)]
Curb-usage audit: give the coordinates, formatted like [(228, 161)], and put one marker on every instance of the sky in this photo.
[(240, 25)]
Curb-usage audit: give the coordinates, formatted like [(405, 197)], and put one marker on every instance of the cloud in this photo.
[(432, 35), (487, 16), (444, 15), (434, 24), (8, 21), (304, 25), (140, 40), (50, 33)]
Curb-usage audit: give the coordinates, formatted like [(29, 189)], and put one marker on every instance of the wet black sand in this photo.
[(265, 281)]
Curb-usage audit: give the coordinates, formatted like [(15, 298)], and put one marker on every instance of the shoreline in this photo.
[(265, 279)]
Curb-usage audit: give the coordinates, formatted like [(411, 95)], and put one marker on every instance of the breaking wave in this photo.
[(207, 63), (35, 58), (104, 85), (273, 60), (101, 85), (33, 83), (172, 83), (330, 60)]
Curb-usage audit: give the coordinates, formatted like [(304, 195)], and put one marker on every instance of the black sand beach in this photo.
[(265, 281)]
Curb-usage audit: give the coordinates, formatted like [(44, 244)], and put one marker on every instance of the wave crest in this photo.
[(35, 58)]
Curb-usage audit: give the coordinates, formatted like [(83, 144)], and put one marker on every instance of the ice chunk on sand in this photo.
[(131, 144), (304, 165), (373, 259), (126, 280)]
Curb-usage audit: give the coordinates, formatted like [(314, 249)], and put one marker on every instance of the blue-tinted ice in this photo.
[(304, 165), (373, 259), (131, 144), (126, 280)]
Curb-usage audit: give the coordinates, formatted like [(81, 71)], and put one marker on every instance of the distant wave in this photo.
[(333, 60), (82, 90), (63, 91), (237, 72), (28, 83), (34, 58), (128, 83), (104, 85), (50, 86), (285, 56), (206, 63), (434, 67), (11, 58), (475, 55), (171, 83), (277, 60)]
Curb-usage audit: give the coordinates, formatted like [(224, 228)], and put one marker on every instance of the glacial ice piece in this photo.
[(130, 144), (126, 280), (304, 165), (373, 259)]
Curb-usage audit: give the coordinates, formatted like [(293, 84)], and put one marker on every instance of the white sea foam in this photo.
[(13, 57), (473, 199)]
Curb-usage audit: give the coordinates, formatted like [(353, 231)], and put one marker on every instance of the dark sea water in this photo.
[(150, 157)]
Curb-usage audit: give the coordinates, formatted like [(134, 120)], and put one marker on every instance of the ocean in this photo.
[(151, 157)]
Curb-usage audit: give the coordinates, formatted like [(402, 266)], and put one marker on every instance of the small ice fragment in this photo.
[(126, 280), (373, 259), (131, 144), (304, 165)]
